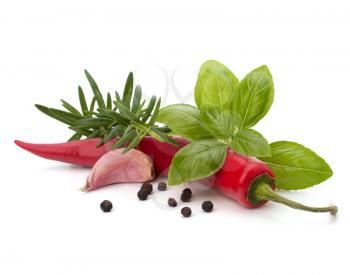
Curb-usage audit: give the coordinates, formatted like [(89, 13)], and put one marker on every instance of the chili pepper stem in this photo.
[(264, 192)]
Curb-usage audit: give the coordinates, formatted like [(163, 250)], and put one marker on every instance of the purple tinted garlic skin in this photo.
[(115, 167)]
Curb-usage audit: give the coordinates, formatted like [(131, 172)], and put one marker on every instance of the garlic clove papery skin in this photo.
[(115, 167)]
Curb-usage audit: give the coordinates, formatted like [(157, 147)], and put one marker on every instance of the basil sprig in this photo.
[(226, 110), (218, 121)]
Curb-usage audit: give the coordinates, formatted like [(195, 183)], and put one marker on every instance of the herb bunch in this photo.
[(126, 117), (226, 111)]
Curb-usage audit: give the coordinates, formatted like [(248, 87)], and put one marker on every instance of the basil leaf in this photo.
[(295, 166), (215, 85), (221, 124), (251, 143), (255, 96), (184, 120), (196, 161)]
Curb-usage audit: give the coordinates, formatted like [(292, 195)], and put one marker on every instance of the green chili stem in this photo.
[(264, 192)]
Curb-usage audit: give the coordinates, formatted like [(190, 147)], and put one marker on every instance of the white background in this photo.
[(48, 227)]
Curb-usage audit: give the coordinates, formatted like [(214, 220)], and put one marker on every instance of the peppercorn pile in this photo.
[(146, 190)]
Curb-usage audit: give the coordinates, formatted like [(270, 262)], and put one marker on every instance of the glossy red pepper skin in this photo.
[(161, 153), (237, 175), (81, 152), (86, 153)]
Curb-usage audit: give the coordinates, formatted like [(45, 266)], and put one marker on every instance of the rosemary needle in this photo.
[(124, 118)]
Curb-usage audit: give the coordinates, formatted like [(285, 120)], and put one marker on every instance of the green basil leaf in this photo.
[(221, 124), (196, 161), (250, 143), (295, 166), (255, 96), (215, 85), (184, 120)]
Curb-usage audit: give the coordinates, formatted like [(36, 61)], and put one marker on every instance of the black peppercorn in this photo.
[(186, 195), (207, 206), (172, 202), (186, 212), (147, 187), (142, 194), (106, 206), (162, 186)]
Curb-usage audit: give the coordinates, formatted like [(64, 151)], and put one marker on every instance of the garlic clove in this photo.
[(115, 167)]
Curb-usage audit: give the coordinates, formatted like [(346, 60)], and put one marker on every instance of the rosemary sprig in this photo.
[(124, 118)]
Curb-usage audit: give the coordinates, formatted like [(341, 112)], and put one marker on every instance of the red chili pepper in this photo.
[(238, 178), (81, 152), (86, 153), (247, 180), (161, 152), (250, 182)]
